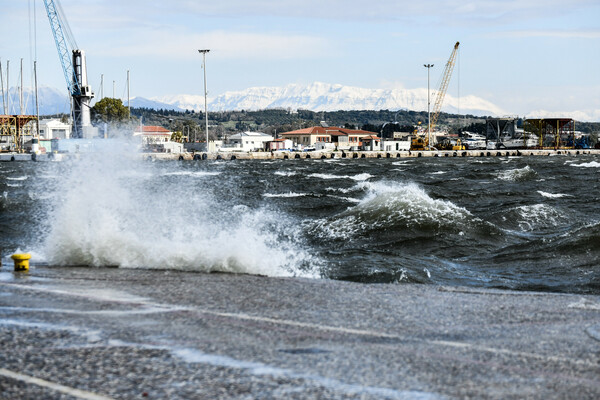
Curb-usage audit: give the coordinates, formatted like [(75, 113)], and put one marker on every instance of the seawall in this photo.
[(285, 155)]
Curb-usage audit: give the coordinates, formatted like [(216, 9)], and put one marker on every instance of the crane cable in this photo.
[(65, 24)]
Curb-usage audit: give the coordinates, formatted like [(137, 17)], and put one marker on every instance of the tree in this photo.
[(110, 110)]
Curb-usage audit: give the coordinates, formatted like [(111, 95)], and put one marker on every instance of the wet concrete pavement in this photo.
[(114, 333)]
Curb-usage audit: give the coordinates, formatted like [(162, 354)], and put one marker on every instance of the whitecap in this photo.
[(532, 217), (360, 177), (290, 194), (193, 173), (517, 174), (553, 195), (593, 164), (285, 173)]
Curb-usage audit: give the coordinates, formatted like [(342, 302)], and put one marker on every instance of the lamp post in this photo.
[(428, 66), (205, 93)]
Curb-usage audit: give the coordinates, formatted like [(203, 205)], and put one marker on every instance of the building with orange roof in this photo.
[(157, 139), (339, 137), (152, 134)]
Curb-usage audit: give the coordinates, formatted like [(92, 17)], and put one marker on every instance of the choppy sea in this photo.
[(522, 223)]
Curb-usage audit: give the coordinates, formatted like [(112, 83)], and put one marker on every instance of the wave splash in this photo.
[(115, 213), (394, 206), (518, 175)]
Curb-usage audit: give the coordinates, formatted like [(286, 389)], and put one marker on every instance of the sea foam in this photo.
[(109, 211)]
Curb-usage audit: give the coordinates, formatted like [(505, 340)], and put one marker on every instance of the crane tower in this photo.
[(437, 108), (74, 68)]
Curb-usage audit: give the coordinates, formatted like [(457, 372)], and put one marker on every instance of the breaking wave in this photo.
[(394, 206), (359, 177), (592, 164), (285, 195), (537, 216), (553, 195), (518, 175), (100, 216)]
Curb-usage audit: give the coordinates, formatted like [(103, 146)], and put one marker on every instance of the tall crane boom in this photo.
[(74, 68), (444, 86)]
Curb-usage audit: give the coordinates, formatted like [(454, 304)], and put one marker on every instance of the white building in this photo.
[(152, 134), (249, 141), (54, 129), (157, 139)]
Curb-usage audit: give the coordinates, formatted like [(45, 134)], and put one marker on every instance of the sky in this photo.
[(522, 55)]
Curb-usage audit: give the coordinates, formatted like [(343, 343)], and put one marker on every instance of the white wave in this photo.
[(359, 177), (437, 173), (18, 178), (532, 217), (344, 190), (593, 164), (391, 204), (99, 217), (516, 174), (193, 173), (290, 194), (285, 173), (553, 195), (14, 185), (348, 199)]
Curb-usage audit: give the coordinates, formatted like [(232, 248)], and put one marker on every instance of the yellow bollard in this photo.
[(21, 261)]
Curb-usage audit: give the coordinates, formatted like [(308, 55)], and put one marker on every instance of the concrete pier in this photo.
[(318, 155), (101, 333)]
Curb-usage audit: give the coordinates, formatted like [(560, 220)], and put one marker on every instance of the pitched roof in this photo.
[(333, 131), (152, 130)]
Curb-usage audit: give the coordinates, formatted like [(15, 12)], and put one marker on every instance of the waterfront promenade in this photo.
[(100, 333), (290, 155)]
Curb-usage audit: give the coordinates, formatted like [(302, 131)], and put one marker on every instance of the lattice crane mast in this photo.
[(439, 100), (74, 68)]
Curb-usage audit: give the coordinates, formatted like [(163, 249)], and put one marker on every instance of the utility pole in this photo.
[(21, 91), (2, 83), (113, 89), (7, 87), (101, 86), (128, 107), (37, 106), (428, 66), (205, 93)]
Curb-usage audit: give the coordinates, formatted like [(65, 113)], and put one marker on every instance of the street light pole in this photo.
[(205, 93), (428, 66)]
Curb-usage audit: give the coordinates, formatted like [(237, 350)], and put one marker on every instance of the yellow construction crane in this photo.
[(439, 100), (422, 143)]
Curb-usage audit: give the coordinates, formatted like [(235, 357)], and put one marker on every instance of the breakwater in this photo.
[(285, 155), (282, 155)]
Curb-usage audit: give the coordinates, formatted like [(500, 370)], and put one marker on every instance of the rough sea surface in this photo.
[(523, 223)]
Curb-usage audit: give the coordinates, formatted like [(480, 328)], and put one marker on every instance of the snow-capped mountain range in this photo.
[(320, 96), (316, 97)]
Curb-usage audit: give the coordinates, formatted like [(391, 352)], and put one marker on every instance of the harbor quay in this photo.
[(291, 155), (114, 333), (284, 155)]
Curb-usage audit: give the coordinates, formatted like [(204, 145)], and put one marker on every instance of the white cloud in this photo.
[(223, 45), (578, 115), (574, 34), (331, 9)]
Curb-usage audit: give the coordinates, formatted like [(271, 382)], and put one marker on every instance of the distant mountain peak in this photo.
[(320, 96)]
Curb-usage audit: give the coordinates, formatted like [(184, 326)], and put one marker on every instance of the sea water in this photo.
[(525, 223)]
